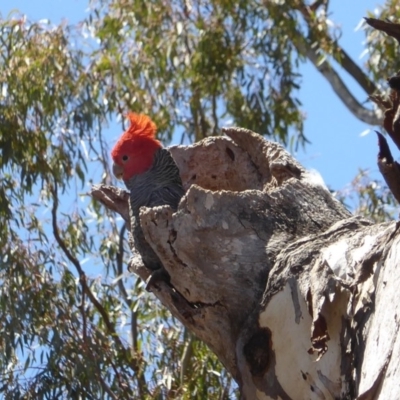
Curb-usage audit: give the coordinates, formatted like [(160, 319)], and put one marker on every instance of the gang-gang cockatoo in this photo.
[(153, 179)]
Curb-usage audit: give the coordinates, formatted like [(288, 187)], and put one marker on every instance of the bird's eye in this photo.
[(124, 158)]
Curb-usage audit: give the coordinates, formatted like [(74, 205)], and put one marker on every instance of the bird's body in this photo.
[(161, 184), (158, 186), (151, 175)]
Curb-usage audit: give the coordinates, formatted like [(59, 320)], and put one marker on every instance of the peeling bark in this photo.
[(289, 290)]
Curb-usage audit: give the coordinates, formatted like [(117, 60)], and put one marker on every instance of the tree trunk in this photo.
[(295, 296)]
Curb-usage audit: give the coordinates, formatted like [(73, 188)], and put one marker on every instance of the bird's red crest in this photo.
[(141, 133), (141, 126)]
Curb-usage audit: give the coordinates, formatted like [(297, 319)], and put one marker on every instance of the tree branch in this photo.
[(83, 279), (141, 379), (187, 355), (338, 53), (105, 387), (120, 270), (390, 28), (325, 68), (389, 168), (306, 48), (115, 199)]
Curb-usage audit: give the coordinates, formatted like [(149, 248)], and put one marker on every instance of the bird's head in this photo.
[(134, 152)]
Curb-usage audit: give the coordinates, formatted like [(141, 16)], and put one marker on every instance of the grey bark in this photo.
[(322, 64), (295, 296), (370, 117)]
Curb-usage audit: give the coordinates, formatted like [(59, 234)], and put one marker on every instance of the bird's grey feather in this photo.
[(160, 185)]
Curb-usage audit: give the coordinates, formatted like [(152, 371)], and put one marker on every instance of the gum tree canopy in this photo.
[(268, 270)]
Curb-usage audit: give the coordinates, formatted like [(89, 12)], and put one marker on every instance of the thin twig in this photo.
[(120, 271), (105, 387), (83, 279), (187, 355), (83, 314), (141, 379), (120, 258)]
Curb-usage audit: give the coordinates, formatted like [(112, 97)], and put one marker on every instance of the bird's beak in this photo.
[(118, 171)]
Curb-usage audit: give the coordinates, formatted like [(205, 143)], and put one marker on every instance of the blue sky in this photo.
[(337, 149)]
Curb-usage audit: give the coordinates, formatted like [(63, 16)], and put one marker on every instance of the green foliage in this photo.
[(73, 323), (195, 65), (384, 50), (369, 198)]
